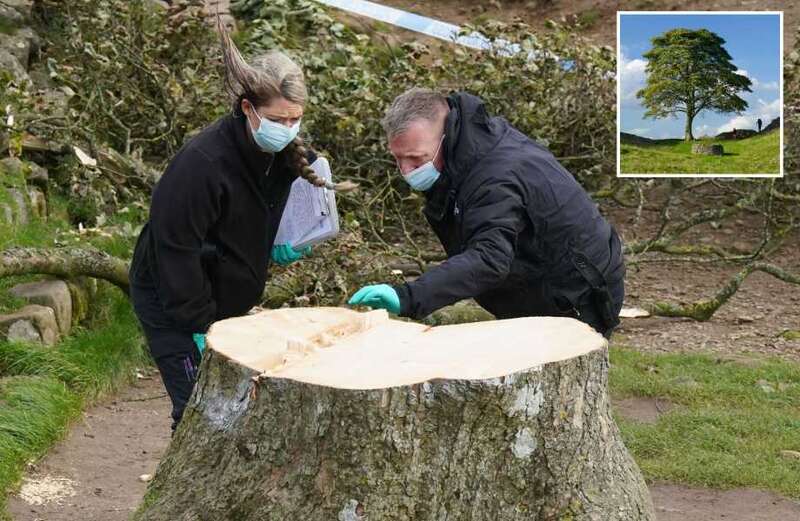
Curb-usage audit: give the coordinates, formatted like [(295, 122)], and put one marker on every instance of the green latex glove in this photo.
[(199, 341), (284, 254), (381, 296)]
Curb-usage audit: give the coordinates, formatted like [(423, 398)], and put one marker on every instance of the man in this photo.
[(521, 236), (759, 125)]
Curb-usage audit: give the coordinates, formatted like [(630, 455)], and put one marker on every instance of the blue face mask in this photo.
[(423, 177), (273, 137)]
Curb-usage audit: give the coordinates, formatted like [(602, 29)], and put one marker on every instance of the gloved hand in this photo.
[(284, 254), (199, 341), (381, 296)]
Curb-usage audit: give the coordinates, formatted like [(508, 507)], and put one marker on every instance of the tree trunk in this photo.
[(65, 262), (688, 136), (325, 414)]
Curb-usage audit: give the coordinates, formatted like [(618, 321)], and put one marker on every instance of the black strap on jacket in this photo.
[(599, 294)]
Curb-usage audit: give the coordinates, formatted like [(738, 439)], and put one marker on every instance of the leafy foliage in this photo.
[(139, 77), (690, 71), (353, 77)]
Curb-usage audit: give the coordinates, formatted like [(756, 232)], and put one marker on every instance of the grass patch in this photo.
[(759, 154), (588, 18), (725, 430), (47, 387), (35, 412)]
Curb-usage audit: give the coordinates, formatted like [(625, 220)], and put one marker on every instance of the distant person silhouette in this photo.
[(759, 125), (734, 133)]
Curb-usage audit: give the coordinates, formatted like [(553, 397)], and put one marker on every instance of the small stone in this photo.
[(633, 313), (708, 150), (21, 211), (54, 294), (765, 386), (23, 7), (38, 202), (11, 64), (42, 318), (23, 331), (144, 478), (745, 319), (37, 175), (791, 454)]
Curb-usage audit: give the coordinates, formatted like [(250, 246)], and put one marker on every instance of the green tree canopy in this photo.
[(690, 71)]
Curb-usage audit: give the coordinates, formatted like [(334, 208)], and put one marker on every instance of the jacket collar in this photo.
[(470, 134)]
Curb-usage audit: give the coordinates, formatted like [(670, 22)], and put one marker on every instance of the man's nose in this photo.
[(405, 167)]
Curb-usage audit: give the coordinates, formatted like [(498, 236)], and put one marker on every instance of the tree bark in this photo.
[(65, 262), (537, 443), (688, 136)]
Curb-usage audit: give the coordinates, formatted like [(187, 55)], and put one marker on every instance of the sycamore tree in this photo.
[(689, 71)]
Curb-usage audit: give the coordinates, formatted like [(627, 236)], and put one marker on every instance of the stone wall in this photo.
[(51, 307)]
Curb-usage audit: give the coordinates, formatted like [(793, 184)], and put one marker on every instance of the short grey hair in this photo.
[(412, 105)]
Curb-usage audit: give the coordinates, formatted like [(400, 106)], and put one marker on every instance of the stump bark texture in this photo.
[(516, 429)]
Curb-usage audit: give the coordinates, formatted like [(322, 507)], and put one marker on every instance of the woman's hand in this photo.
[(284, 254), (199, 341)]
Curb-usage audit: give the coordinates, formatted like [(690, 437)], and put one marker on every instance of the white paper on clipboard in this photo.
[(310, 216)]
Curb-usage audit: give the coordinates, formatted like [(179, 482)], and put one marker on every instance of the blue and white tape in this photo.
[(418, 23)]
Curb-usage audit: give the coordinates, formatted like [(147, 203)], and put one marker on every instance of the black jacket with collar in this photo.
[(213, 218), (510, 218)]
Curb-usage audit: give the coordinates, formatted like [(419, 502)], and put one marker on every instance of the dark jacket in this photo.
[(511, 219), (213, 219)]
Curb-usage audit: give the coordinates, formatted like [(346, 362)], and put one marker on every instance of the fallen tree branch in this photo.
[(65, 262), (703, 309)]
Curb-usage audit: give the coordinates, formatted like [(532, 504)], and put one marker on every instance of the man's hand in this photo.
[(381, 296), (284, 254)]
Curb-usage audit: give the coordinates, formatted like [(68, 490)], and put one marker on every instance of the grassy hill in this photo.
[(759, 154)]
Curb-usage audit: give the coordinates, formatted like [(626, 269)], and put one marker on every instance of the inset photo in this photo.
[(699, 94)]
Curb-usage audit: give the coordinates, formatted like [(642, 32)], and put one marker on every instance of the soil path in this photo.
[(93, 474)]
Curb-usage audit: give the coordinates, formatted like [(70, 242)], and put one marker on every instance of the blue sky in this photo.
[(753, 41)]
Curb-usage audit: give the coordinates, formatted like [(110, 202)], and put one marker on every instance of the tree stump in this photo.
[(708, 150), (328, 414)]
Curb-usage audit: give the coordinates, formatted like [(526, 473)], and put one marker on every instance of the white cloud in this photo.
[(640, 131), (632, 78), (770, 85), (703, 130), (756, 84), (767, 111)]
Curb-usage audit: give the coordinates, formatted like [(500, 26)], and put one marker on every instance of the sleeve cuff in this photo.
[(404, 295)]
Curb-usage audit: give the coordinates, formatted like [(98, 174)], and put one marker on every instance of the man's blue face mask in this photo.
[(424, 176), (273, 137)]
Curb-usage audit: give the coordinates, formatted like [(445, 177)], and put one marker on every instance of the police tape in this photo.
[(438, 29)]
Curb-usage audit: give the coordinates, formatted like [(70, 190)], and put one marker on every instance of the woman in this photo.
[(203, 255)]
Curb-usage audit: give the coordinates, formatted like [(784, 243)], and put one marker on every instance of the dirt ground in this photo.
[(602, 14), (93, 475), (749, 324)]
